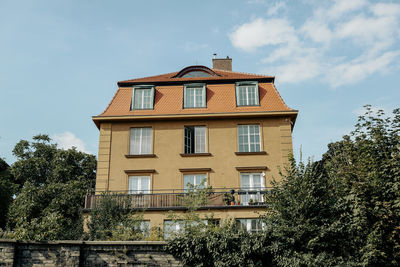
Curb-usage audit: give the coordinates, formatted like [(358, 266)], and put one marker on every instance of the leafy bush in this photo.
[(114, 219), (220, 246)]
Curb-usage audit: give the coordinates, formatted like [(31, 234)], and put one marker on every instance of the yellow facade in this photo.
[(167, 163), (115, 166)]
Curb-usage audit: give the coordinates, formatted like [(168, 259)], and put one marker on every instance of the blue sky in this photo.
[(60, 60)]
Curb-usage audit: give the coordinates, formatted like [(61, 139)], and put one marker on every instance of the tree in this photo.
[(113, 218), (344, 209), (52, 185), (7, 190)]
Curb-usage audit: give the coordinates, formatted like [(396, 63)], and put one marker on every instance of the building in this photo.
[(159, 134)]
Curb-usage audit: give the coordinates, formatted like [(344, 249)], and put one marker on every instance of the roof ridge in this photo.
[(147, 77), (247, 73)]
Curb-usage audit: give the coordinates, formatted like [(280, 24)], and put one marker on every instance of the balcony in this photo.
[(176, 199)]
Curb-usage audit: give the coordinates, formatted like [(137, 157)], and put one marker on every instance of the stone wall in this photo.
[(85, 253)]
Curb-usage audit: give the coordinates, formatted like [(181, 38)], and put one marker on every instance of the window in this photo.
[(143, 97), (198, 180), (194, 96), (172, 227), (247, 94), (143, 227), (249, 138), (251, 185), (176, 227), (196, 74), (139, 184), (140, 141), (195, 139), (250, 225)]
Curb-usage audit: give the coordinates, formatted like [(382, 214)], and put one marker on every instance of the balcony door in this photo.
[(139, 184), (251, 184)]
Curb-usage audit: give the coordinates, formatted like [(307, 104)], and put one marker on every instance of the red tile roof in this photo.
[(220, 75), (221, 96)]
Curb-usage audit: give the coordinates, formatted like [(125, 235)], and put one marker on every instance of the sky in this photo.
[(60, 60)]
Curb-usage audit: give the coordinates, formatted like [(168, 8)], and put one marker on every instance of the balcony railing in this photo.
[(175, 198)]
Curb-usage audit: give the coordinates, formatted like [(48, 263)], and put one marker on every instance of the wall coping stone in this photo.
[(80, 242)]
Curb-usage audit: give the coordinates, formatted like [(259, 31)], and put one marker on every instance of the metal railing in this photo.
[(178, 198)]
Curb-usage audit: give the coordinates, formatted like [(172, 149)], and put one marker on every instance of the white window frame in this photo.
[(258, 197), (141, 151), (176, 227), (249, 143), (197, 182), (248, 222), (247, 85), (171, 227), (141, 179), (202, 87), (143, 227), (199, 146), (152, 94)]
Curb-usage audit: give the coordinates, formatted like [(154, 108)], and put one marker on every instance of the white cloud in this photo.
[(317, 31), (68, 140), (342, 7), (359, 68), (320, 45), (262, 32), (273, 10)]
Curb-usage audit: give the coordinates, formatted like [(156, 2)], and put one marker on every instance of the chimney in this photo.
[(222, 63)]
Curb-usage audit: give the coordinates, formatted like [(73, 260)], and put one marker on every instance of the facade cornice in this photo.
[(124, 118)]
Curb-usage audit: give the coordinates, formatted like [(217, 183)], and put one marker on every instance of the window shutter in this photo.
[(133, 98), (204, 104), (184, 97), (257, 94), (237, 94), (152, 95)]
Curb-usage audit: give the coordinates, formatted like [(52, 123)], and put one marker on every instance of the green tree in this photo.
[(344, 209), (52, 185), (7, 190), (114, 219)]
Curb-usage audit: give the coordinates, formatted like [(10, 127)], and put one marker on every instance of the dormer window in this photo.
[(247, 94), (194, 95), (143, 97), (196, 74)]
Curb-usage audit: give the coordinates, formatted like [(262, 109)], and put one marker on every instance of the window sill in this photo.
[(196, 155), (141, 156), (251, 153)]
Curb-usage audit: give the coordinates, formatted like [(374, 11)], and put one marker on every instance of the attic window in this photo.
[(194, 95), (143, 97), (247, 94), (196, 74)]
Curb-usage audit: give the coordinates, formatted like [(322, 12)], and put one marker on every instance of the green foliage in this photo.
[(341, 211), (220, 246), (52, 185), (114, 219), (7, 190)]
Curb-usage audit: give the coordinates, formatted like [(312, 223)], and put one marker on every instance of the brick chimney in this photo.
[(222, 63)]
